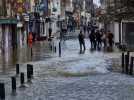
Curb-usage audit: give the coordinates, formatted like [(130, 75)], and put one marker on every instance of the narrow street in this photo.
[(66, 49), (74, 76)]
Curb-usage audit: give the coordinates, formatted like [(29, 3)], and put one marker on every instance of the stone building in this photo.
[(8, 25), (118, 18)]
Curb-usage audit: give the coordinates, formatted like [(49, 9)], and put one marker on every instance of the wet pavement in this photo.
[(11, 56), (74, 76)]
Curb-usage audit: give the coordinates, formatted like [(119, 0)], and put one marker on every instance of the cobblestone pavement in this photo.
[(74, 77), (112, 86)]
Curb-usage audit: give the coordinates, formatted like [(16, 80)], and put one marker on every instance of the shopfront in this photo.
[(127, 35), (8, 33)]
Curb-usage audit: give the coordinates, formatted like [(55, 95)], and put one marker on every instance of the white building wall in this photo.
[(32, 5), (116, 32), (114, 28), (55, 4)]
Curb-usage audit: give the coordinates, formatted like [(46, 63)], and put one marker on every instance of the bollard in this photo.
[(59, 49), (131, 66), (126, 63), (31, 52), (128, 53), (30, 69), (29, 73), (55, 49), (22, 79), (2, 91), (51, 48), (13, 84), (123, 63), (17, 69)]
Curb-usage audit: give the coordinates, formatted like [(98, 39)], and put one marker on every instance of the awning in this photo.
[(8, 21)]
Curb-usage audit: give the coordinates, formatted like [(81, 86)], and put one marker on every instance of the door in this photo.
[(128, 33)]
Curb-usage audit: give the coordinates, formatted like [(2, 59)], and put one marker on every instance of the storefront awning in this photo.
[(8, 21)]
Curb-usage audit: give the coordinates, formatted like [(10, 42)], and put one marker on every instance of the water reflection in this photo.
[(10, 56)]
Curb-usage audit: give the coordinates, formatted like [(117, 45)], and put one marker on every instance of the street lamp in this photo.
[(85, 7), (92, 11)]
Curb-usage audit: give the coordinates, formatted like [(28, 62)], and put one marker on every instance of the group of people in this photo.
[(98, 39)]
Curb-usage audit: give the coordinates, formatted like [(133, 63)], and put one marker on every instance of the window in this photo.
[(0, 10)]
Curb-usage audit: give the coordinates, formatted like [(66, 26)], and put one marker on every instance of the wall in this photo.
[(55, 4), (116, 32), (114, 28)]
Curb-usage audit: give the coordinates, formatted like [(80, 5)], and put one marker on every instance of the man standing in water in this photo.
[(81, 41)]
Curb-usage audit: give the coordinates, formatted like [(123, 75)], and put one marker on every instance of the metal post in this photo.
[(131, 66), (29, 73), (27, 30), (59, 49), (22, 79), (30, 69), (17, 69), (92, 11), (126, 63), (128, 53), (123, 63), (31, 52), (13, 84), (2, 91), (55, 49), (51, 48)]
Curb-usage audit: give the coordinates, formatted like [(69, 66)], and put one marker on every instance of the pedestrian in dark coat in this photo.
[(98, 39), (81, 41), (50, 32), (110, 40), (92, 39), (104, 39)]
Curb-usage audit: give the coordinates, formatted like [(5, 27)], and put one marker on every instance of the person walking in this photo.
[(98, 39), (81, 41), (63, 30), (110, 39), (92, 39), (30, 39), (50, 31), (104, 39), (85, 28), (88, 27)]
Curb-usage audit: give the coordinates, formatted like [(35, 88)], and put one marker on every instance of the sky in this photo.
[(97, 2)]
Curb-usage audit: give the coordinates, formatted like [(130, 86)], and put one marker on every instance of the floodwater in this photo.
[(9, 57), (74, 62), (72, 76)]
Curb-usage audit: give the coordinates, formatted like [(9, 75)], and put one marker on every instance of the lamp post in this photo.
[(85, 8), (92, 11)]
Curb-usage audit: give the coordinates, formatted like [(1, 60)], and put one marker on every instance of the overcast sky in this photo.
[(97, 2)]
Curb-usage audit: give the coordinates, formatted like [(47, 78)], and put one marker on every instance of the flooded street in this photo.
[(74, 76), (9, 58)]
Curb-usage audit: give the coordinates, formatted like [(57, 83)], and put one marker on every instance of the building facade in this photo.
[(118, 18), (8, 25)]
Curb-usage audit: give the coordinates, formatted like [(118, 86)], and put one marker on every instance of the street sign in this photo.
[(26, 17)]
